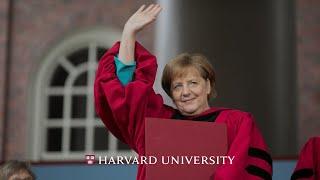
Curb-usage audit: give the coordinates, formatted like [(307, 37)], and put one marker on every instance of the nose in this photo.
[(185, 91)]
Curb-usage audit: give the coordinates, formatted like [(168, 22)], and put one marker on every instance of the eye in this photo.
[(193, 83), (176, 86)]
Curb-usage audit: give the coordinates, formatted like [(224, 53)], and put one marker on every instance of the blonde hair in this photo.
[(179, 65)]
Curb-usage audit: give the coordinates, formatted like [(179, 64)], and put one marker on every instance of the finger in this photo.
[(154, 6), (149, 8), (158, 11), (141, 8), (155, 11)]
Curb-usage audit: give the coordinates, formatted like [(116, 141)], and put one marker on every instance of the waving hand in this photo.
[(140, 19)]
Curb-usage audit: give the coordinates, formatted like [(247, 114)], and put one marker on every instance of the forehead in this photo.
[(186, 73)]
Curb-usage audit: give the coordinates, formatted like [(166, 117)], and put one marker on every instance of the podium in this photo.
[(184, 149)]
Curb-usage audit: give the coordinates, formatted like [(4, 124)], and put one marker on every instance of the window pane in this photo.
[(79, 104), (100, 52), (54, 139), (101, 138), (55, 107), (77, 141), (59, 76), (81, 80), (123, 146), (79, 57)]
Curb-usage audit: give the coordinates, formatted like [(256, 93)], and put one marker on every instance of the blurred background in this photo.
[(266, 55)]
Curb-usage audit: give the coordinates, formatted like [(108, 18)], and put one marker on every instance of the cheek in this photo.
[(175, 95), (200, 91)]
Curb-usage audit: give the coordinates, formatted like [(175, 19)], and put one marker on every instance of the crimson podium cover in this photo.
[(184, 149)]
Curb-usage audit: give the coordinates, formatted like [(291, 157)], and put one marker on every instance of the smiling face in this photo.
[(189, 92)]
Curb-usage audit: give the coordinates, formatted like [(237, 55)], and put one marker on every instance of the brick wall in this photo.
[(308, 49), (37, 26)]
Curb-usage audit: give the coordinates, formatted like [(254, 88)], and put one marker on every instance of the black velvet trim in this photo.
[(302, 173), (256, 171), (211, 117), (261, 154)]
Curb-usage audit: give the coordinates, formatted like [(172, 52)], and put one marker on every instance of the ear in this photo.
[(208, 86)]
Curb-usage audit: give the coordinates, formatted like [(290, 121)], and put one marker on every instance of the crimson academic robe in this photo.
[(123, 110), (308, 166)]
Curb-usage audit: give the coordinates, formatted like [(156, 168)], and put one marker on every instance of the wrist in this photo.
[(128, 31), (128, 37)]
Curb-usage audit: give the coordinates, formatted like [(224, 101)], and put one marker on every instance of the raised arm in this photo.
[(123, 108), (136, 23)]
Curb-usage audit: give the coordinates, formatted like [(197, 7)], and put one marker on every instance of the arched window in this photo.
[(66, 126)]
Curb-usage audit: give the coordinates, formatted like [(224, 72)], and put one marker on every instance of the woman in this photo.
[(124, 97)]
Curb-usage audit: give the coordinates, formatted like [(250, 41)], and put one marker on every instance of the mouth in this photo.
[(187, 100)]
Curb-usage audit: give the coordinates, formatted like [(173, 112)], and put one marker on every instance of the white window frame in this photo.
[(92, 39)]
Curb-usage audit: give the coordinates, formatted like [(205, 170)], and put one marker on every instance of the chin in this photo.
[(189, 111)]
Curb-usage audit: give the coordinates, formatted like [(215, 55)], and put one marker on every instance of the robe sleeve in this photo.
[(123, 109), (251, 158), (308, 165)]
